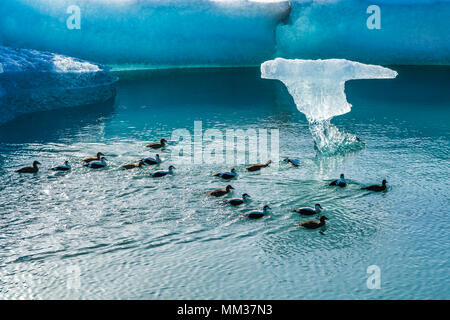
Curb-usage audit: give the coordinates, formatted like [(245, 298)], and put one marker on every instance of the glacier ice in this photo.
[(165, 33), (148, 33), (317, 87), (35, 81), (412, 31)]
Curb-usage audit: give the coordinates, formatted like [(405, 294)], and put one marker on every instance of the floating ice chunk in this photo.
[(317, 86), (35, 81)]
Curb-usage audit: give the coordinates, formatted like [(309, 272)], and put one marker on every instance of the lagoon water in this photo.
[(115, 234)]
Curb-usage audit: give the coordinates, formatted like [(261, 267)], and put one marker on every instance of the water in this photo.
[(129, 236)]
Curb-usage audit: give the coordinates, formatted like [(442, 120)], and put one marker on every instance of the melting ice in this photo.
[(317, 87)]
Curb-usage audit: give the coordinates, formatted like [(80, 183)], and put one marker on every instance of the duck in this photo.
[(157, 145), (64, 167), (97, 164), (307, 211), (128, 166), (162, 173), (221, 192), (90, 159), (32, 169), (294, 162), (339, 182), (227, 175), (376, 188), (258, 166), (257, 214), (238, 201), (313, 224), (152, 161)]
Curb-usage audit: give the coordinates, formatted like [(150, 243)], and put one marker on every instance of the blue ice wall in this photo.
[(147, 32), (231, 32), (412, 31), (32, 80)]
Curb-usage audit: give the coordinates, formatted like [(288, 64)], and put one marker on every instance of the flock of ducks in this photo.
[(99, 161)]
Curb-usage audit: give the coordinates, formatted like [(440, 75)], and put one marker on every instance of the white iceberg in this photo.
[(317, 87), (36, 81)]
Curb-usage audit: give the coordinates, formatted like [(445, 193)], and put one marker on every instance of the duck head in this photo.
[(233, 170), (171, 168), (342, 176), (99, 154), (163, 141), (384, 182), (228, 188), (323, 218), (35, 163), (318, 207), (268, 162), (286, 159), (66, 163), (157, 157), (266, 207), (245, 196)]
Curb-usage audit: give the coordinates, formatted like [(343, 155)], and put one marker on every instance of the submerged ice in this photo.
[(32, 81), (317, 87)]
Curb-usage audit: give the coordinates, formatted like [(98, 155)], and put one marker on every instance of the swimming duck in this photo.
[(313, 224), (376, 187), (152, 161), (227, 175), (90, 159), (237, 201), (157, 145), (339, 182), (97, 164), (307, 211), (32, 169), (64, 167), (162, 173), (294, 162), (128, 166), (258, 166), (257, 214), (221, 192)]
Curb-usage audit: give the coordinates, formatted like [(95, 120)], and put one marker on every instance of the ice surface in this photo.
[(34, 81), (317, 86), (412, 31), (167, 33), (157, 33)]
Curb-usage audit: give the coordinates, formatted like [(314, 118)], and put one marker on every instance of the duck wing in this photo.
[(154, 145), (310, 224), (26, 170), (235, 202)]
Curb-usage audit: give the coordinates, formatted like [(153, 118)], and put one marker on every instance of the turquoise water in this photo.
[(132, 237)]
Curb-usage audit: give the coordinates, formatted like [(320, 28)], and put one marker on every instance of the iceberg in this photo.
[(406, 31), (32, 81), (317, 87), (190, 33), (147, 33)]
